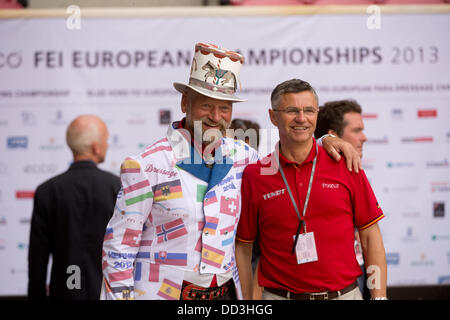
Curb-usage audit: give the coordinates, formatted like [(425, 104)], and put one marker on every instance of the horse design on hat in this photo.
[(225, 76), (214, 72)]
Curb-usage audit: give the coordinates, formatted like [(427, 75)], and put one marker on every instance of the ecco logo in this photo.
[(11, 60), (273, 194), (330, 185), (17, 142)]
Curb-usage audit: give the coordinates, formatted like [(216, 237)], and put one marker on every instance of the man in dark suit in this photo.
[(69, 218)]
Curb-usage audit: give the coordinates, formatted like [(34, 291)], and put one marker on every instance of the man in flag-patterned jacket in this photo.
[(172, 232)]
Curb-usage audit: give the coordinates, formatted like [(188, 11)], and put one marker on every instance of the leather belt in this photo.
[(312, 295), (190, 291)]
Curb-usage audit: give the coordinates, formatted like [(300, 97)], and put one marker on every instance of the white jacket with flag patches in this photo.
[(166, 220)]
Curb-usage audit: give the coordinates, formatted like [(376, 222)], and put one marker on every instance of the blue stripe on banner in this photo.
[(137, 271), (143, 255)]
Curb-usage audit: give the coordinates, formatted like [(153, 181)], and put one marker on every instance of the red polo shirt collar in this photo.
[(286, 163)]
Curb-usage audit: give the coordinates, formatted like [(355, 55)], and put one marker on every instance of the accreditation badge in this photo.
[(306, 248)]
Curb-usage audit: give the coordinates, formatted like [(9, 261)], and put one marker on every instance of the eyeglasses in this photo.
[(294, 112)]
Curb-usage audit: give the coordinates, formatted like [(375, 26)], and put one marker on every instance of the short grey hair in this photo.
[(291, 86)]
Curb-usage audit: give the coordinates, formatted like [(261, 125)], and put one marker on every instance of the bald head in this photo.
[(87, 137)]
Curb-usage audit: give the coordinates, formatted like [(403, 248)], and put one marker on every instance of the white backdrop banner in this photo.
[(123, 68)]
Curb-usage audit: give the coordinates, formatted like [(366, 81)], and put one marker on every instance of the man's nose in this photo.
[(300, 116), (364, 138), (215, 115)]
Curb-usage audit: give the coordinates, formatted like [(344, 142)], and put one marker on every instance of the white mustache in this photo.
[(222, 123)]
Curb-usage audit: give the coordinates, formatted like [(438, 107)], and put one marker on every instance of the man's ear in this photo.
[(184, 102), (95, 149), (273, 118)]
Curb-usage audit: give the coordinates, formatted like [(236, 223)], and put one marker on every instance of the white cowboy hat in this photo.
[(214, 72)]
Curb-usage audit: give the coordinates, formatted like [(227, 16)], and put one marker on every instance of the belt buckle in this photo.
[(312, 296), (194, 292), (186, 292)]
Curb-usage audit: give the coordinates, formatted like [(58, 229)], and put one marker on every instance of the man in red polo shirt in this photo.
[(305, 206)]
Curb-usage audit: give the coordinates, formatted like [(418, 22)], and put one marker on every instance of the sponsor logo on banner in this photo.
[(25, 221), (424, 139), (400, 164), (58, 120), (368, 164), (427, 113), (24, 194), (40, 168), (379, 140), (440, 186), (368, 116), (410, 214), (28, 118), (10, 60), (410, 235), (164, 117), (142, 145), (397, 114), (437, 164), (22, 246), (440, 237), (422, 262), (115, 142), (401, 189), (136, 119), (438, 209), (393, 258), (19, 142), (51, 145), (444, 279)]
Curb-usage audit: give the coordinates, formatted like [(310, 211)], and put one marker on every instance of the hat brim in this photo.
[(181, 87)]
